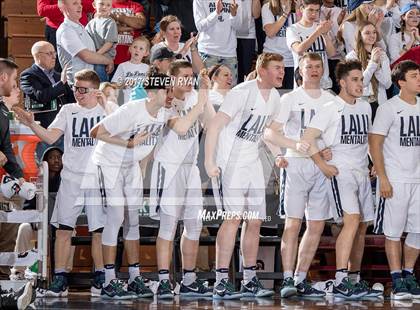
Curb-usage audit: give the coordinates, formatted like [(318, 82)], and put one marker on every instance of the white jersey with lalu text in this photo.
[(297, 109), (175, 148), (76, 123), (249, 114), (399, 122), (129, 120), (345, 128)]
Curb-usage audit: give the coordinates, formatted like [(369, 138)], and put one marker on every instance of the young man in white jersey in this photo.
[(175, 192), (395, 148), (307, 36), (125, 138), (237, 173), (343, 124), (74, 122), (303, 185)]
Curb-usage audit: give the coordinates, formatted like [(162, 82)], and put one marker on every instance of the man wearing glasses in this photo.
[(74, 121), (45, 90)]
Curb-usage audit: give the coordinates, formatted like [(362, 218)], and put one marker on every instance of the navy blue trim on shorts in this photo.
[(337, 199), (102, 190), (282, 211), (379, 221), (220, 188), (160, 184)]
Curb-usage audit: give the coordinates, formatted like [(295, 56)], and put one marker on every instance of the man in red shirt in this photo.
[(130, 20), (49, 9)]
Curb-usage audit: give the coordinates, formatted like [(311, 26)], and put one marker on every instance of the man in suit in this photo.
[(44, 87)]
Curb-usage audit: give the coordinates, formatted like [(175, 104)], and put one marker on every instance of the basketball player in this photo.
[(343, 124), (175, 182), (235, 133), (395, 149), (303, 185), (74, 122), (126, 137)]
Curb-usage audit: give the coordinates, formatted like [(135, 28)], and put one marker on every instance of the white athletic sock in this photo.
[(109, 274), (249, 273), (221, 273), (300, 276), (134, 271), (340, 275), (163, 274), (188, 277), (287, 274)]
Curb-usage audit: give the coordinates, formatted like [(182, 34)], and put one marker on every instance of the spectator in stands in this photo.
[(391, 12), (76, 49), (110, 91), (217, 24), (104, 33), (170, 35), (375, 64), (27, 231), (361, 11), (44, 87), (409, 36), (221, 79), (246, 37), (132, 72), (335, 14), (276, 17), (130, 20), (308, 36), (53, 19), (8, 74), (162, 58), (183, 9)]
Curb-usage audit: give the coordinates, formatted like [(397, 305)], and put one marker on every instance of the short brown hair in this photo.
[(165, 21), (88, 76), (401, 69), (142, 39), (7, 65), (311, 56), (264, 59), (178, 64), (344, 67)]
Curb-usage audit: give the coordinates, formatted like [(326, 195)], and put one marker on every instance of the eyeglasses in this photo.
[(51, 54), (82, 90)]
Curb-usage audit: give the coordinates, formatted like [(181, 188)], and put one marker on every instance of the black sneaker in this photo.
[(195, 289), (225, 290), (115, 290), (254, 288), (97, 283), (57, 288), (304, 289), (138, 288), (412, 286), (20, 299), (347, 290), (400, 290), (164, 290), (288, 288), (363, 286)]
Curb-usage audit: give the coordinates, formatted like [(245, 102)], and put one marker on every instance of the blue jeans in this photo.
[(100, 70)]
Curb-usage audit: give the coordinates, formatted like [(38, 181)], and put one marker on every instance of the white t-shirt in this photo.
[(399, 122), (345, 129), (130, 119), (249, 114), (187, 56), (297, 108), (299, 33), (178, 149), (278, 43), (76, 122), (396, 44), (217, 32), (72, 38), (247, 29), (216, 99), (128, 75)]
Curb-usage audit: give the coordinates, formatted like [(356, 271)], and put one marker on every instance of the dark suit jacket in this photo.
[(36, 84)]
